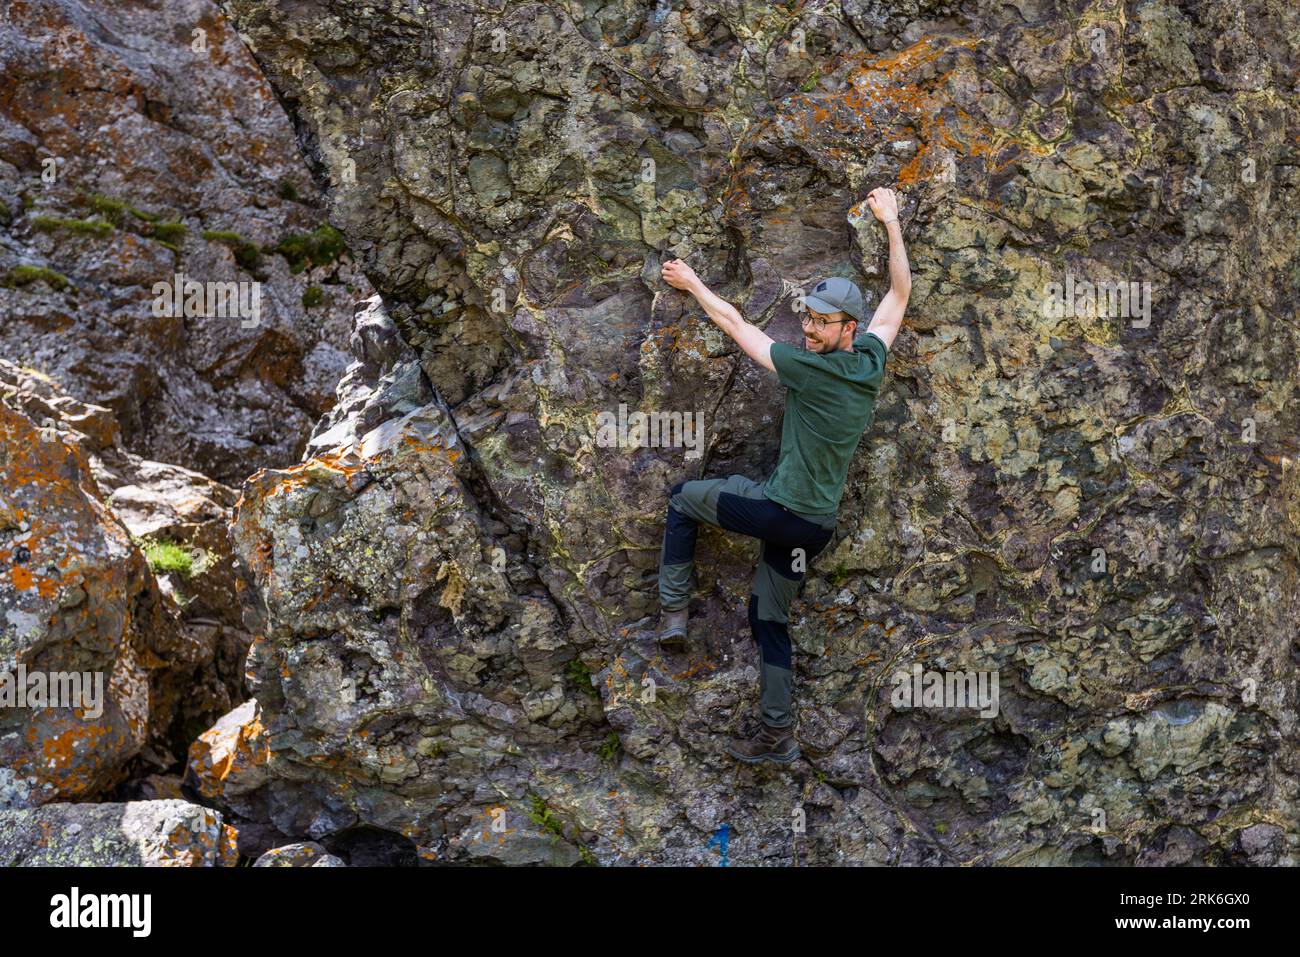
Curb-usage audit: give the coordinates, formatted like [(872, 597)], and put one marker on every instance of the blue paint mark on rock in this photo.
[(721, 840)]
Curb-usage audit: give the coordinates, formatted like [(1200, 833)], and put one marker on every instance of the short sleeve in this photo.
[(874, 348), (791, 365)]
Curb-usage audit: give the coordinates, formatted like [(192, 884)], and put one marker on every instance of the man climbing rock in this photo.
[(831, 389)]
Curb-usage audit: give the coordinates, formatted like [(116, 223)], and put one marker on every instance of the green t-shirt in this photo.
[(829, 402)]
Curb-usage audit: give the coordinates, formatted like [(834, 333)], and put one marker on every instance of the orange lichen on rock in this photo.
[(235, 749), (228, 851), (20, 578), (60, 750), (296, 475), (880, 101)]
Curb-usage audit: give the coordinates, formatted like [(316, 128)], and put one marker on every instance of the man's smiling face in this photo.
[(829, 337)]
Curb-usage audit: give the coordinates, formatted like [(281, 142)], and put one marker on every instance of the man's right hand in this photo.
[(679, 275), (883, 203)]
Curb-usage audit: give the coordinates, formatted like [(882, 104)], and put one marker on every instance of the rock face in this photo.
[(138, 142), (135, 834), (78, 596), (1097, 503)]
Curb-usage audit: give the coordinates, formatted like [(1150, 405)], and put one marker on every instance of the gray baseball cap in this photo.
[(835, 295)]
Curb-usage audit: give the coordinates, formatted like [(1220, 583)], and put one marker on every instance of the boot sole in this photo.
[(673, 643), (773, 758)]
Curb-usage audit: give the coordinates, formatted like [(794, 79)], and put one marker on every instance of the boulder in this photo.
[(165, 833), (305, 854)]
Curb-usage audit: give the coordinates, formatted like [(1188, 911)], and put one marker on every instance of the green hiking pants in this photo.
[(790, 541)]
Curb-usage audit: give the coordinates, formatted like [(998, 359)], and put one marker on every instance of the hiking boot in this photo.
[(768, 744), (672, 627)]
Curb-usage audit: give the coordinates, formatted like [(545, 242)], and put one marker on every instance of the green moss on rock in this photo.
[(309, 250), (86, 227), (169, 232), (23, 275), (246, 253)]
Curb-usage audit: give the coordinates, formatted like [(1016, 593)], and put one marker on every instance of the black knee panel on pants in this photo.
[(772, 637), (679, 538)]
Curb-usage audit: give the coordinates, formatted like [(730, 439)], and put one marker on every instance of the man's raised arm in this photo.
[(756, 343), (889, 314)]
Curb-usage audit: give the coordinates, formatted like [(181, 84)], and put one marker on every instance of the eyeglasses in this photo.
[(819, 323)]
